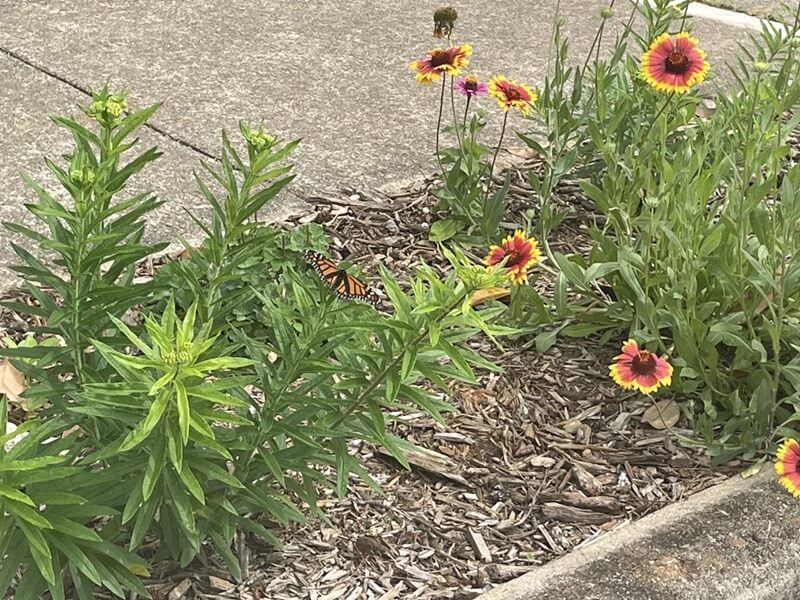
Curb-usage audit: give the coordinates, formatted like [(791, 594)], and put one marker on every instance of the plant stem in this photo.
[(439, 126), (393, 365), (685, 12), (658, 114), (494, 158), (597, 38), (466, 111), (553, 35), (455, 118)]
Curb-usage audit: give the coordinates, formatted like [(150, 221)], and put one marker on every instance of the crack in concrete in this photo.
[(84, 90)]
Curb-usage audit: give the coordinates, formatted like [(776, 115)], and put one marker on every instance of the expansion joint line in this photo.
[(85, 90)]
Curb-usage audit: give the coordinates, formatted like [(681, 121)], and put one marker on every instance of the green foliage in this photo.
[(473, 217), (696, 249), (214, 398)]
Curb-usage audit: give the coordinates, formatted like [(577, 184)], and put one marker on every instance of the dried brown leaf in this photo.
[(662, 415), (12, 383)]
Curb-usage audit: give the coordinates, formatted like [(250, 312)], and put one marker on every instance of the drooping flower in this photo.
[(519, 252), (444, 19), (639, 369), (510, 94), (469, 85), (674, 64), (441, 60), (787, 466)]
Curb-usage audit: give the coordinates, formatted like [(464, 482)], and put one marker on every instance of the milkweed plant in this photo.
[(183, 414)]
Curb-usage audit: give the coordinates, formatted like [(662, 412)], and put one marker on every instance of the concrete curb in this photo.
[(736, 541)]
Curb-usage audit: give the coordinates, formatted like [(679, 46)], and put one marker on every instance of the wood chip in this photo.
[(394, 592), (179, 590), (587, 482), (570, 514), (479, 546), (607, 504), (218, 583), (433, 461)]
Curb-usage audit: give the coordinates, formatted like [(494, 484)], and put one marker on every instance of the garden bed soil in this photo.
[(539, 460)]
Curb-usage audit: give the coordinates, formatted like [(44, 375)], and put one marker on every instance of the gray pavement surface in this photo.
[(334, 73), (735, 541), (765, 9)]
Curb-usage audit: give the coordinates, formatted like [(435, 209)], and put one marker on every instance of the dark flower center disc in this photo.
[(644, 363), (677, 62), (512, 94), (439, 59)]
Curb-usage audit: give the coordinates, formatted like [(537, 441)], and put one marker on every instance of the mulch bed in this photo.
[(541, 459)]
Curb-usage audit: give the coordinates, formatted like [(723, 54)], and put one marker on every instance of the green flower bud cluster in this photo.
[(182, 356), (258, 139), (83, 177), (107, 108)]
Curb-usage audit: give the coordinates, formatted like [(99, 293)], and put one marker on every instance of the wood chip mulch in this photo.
[(540, 460)]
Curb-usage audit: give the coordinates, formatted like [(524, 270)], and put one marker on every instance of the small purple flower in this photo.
[(470, 86)]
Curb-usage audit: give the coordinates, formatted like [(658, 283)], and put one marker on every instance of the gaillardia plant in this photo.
[(674, 64), (511, 94), (639, 369), (787, 466), (441, 61), (517, 253)]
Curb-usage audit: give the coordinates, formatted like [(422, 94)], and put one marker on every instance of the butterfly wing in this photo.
[(343, 285), (353, 288)]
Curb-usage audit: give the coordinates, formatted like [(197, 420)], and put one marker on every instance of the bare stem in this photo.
[(494, 158), (439, 126)]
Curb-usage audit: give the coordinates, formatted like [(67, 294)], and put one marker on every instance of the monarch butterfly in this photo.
[(343, 285)]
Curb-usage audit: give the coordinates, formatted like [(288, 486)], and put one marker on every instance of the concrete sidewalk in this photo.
[(735, 541), (334, 73)]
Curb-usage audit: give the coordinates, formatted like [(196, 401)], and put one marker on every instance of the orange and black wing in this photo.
[(343, 285)]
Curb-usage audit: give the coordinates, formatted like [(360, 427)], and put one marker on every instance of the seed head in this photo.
[(444, 20), (607, 12)]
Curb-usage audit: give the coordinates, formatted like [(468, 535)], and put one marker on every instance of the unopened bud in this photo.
[(652, 202)]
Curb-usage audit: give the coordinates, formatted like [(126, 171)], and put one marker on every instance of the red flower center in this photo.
[(514, 258), (440, 58), (644, 363), (677, 62), (512, 94), (471, 84)]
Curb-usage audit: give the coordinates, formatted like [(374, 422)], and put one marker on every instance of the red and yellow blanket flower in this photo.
[(511, 94), (787, 466), (639, 369), (674, 64), (519, 252), (448, 61)]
